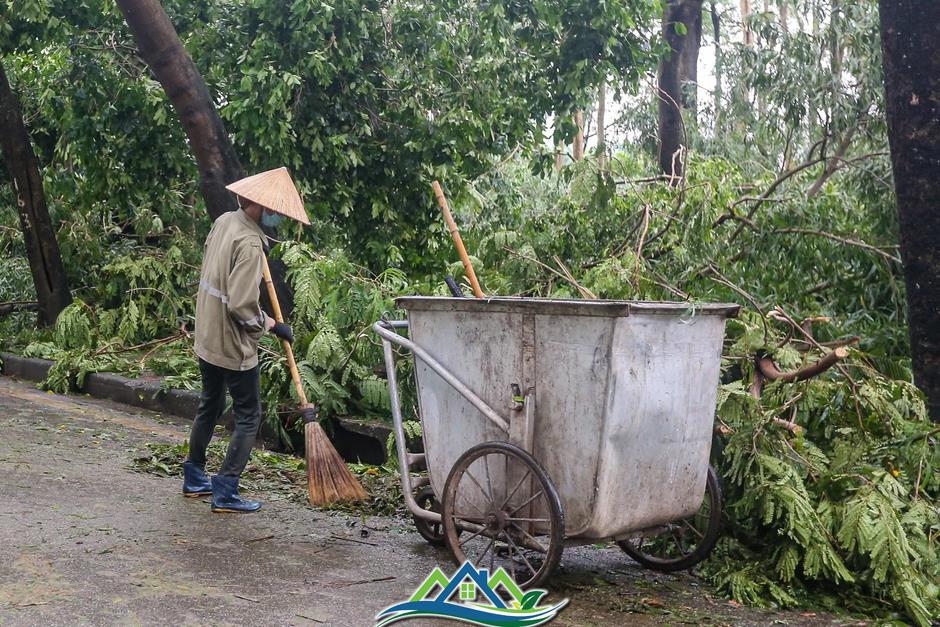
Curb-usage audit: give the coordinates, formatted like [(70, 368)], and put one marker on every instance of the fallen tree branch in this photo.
[(19, 302), (107, 350), (645, 228), (585, 293), (720, 278), (788, 425), (13, 305), (841, 240), (657, 279), (648, 179), (832, 164), (768, 369), (802, 345), (780, 180)]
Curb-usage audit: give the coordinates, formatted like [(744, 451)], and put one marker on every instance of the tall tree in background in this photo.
[(679, 18), (688, 58), (716, 32), (160, 46), (746, 33), (577, 147), (42, 249), (910, 38), (601, 125)]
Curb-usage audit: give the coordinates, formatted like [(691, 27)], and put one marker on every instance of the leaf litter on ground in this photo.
[(282, 476)]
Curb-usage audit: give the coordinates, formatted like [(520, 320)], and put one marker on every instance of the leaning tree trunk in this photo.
[(671, 130), (161, 48), (42, 249), (910, 37)]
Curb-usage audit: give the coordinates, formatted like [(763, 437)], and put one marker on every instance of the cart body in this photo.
[(614, 399)]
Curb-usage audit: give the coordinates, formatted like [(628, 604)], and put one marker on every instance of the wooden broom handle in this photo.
[(458, 242), (276, 306)]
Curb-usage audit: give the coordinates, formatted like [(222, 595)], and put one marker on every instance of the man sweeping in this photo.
[(229, 322)]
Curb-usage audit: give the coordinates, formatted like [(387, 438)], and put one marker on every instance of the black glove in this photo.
[(283, 331)]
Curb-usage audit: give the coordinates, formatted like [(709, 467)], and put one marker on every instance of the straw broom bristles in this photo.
[(328, 478)]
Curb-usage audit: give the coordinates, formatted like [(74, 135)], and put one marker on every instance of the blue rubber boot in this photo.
[(195, 480), (225, 496)]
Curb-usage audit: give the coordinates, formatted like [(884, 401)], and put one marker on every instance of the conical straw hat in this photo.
[(274, 190)]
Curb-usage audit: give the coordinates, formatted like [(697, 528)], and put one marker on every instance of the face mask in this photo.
[(271, 219)]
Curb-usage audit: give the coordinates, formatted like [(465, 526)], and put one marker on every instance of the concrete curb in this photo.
[(356, 440), (24, 367)]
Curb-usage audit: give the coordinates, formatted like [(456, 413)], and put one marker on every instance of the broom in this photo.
[(328, 478)]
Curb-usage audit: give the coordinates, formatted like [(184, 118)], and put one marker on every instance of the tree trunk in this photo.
[(577, 148), (747, 33), (783, 10), (601, 122), (910, 37), (42, 249), (161, 48), (835, 47), (559, 156), (671, 130), (716, 27), (688, 58)]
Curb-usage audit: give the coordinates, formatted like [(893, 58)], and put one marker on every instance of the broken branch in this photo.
[(768, 369), (841, 240), (585, 293)]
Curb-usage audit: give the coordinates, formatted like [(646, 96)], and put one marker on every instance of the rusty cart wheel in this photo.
[(682, 544), (429, 530), (508, 511)]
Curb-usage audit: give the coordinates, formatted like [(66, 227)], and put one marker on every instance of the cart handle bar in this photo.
[(385, 330)]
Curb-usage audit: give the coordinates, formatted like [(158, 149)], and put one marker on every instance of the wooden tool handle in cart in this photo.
[(276, 306), (458, 242)]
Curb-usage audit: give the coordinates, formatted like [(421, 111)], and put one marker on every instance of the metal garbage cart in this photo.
[(549, 423)]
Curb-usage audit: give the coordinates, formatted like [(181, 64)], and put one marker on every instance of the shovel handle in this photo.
[(458, 242), (276, 306)]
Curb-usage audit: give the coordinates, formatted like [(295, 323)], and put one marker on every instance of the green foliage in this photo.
[(133, 328), (74, 326), (848, 503), (16, 282), (336, 303), (413, 431), (365, 102), (151, 291)]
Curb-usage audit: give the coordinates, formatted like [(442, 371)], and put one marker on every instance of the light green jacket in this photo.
[(229, 319)]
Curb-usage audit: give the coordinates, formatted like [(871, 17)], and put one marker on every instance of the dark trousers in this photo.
[(245, 388)]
